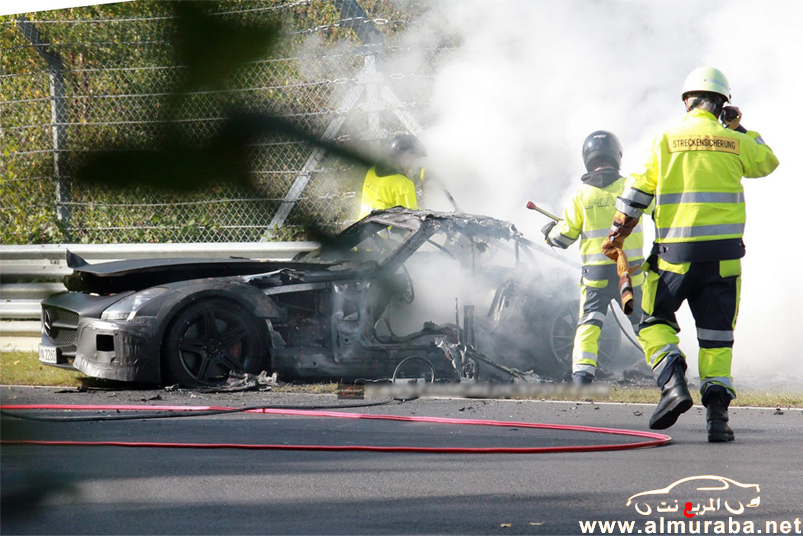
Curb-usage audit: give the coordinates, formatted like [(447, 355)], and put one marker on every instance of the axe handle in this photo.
[(436, 180), (533, 206)]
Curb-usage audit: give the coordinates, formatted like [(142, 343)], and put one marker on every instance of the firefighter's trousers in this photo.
[(595, 298), (712, 290)]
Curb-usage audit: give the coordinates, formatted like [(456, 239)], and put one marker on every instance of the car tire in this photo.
[(209, 339)]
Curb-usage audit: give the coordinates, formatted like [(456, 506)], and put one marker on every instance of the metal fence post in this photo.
[(58, 115), (356, 18)]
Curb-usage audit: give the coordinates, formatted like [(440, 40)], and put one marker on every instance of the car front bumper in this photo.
[(122, 351)]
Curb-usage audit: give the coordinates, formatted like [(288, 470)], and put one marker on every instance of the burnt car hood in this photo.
[(138, 274), (472, 224)]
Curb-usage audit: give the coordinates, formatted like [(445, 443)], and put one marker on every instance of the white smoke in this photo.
[(530, 79)]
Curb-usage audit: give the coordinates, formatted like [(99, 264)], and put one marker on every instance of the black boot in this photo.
[(716, 400), (675, 396), (582, 378)]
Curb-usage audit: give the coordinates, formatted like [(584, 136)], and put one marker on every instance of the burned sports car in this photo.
[(450, 296)]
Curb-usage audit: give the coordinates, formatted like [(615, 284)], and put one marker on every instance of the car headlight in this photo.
[(126, 309)]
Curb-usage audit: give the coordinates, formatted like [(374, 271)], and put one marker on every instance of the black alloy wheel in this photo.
[(210, 339)]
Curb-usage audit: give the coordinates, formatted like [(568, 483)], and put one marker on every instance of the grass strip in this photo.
[(24, 368)]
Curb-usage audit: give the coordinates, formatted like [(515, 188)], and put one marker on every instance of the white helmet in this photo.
[(707, 79)]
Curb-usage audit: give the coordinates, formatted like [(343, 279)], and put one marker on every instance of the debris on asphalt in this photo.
[(80, 389), (350, 392), (245, 382)]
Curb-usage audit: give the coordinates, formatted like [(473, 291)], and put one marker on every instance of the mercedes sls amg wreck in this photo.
[(336, 313)]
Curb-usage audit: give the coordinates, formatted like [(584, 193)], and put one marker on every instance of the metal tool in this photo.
[(533, 206)]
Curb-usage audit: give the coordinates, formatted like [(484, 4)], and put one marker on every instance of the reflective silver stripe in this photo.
[(668, 349), (626, 209), (591, 369), (701, 230), (717, 380), (588, 356), (562, 239), (760, 141), (649, 320), (594, 257), (715, 335), (586, 318), (632, 254), (597, 233), (638, 197), (699, 197)]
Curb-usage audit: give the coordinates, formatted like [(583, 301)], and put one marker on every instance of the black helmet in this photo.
[(407, 144), (601, 145)]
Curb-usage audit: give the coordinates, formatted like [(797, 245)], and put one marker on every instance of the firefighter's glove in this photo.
[(621, 228), (731, 117), (546, 229)]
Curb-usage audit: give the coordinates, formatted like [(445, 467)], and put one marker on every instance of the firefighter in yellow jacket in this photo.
[(588, 217), (392, 184), (693, 176)]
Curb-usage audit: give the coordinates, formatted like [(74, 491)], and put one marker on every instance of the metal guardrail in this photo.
[(30, 273)]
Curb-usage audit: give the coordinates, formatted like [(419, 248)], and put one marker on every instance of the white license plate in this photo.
[(48, 354)]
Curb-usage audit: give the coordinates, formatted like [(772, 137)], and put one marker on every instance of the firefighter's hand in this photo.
[(610, 250), (621, 228), (546, 229), (731, 117)]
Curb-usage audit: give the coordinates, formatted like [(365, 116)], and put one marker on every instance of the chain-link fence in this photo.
[(76, 80)]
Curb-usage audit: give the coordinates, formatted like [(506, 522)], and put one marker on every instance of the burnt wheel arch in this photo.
[(208, 339)]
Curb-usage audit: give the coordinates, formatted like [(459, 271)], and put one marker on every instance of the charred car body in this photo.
[(324, 316)]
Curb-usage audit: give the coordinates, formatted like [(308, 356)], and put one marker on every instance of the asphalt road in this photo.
[(117, 490)]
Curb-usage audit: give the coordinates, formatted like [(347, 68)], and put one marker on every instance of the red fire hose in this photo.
[(653, 439)]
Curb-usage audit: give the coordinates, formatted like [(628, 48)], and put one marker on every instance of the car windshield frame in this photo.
[(344, 246), (419, 226)]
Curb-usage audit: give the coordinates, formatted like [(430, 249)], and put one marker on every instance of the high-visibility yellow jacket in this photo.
[(693, 175), (381, 192), (588, 217)]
